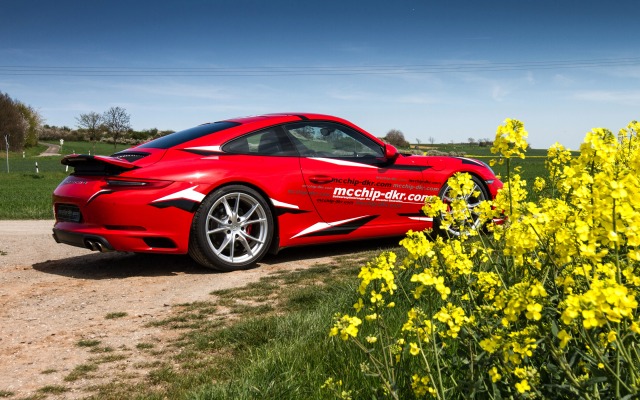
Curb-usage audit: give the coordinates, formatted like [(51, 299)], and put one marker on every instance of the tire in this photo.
[(232, 229), (472, 202)]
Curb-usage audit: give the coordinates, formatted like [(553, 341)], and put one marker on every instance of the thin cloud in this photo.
[(406, 98), (625, 72), (418, 99), (562, 80), (180, 90), (530, 78), (604, 96), (499, 92)]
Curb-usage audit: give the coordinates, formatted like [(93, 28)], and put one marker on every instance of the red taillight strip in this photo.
[(115, 183)]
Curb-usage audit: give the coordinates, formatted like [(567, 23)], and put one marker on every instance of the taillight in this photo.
[(123, 183)]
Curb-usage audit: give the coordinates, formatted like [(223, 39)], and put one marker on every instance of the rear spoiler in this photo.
[(97, 165)]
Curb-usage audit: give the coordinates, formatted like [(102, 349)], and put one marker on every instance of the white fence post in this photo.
[(6, 139)]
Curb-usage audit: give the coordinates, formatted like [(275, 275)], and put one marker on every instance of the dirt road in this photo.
[(52, 296), (52, 150)]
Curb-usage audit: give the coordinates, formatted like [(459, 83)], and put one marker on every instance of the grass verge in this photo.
[(268, 339)]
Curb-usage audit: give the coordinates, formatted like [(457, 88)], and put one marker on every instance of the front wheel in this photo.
[(232, 229), (478, 195)]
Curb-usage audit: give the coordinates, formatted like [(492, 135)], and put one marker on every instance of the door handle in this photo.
[(320, 179)]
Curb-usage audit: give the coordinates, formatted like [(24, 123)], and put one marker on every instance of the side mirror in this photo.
[(390, 153)]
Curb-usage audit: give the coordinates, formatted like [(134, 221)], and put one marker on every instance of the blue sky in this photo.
[(450, 70)]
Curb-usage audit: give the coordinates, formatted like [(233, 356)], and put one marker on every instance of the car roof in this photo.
[(294, 116)]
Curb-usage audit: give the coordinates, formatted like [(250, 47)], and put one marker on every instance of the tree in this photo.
[(92, 123), (432, 140), (13, 124), (34, 123), (396, 138), (116, 120)]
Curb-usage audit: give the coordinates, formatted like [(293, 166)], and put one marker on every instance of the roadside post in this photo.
[(6, 140)]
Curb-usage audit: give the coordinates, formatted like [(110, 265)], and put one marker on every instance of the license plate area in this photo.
[(68, 213)]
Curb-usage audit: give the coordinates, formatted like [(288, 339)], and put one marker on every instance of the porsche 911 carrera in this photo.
[(228, 192)]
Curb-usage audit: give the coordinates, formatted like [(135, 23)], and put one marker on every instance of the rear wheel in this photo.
[(232, 229), (479, 194)]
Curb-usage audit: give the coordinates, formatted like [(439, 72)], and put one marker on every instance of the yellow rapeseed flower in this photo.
[(533, 311), (346, 326), (494, 374), (523, 386), (359, 305), (564, 338), (490, 345), (510, 140), (414, 349)]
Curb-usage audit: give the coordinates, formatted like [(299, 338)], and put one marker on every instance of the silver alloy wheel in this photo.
[(237, 228), (472, 202)]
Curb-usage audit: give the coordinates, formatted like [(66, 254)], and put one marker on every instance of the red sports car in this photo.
[(228, 192)]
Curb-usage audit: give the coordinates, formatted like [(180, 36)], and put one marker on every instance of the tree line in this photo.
[(21, 126), (113, 124)]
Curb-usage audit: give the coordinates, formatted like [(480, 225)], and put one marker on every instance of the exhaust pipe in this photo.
[(96, 245)]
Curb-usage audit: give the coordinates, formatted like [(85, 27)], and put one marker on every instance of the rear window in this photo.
[(177, 138)]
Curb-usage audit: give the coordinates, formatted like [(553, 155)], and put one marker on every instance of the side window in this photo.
[(267, 142), (332, 140)]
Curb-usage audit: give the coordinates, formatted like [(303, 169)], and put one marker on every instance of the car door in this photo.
[(351, 183)]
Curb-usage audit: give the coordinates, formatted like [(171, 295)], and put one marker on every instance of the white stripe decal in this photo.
[(284, 205), (205, 148), (323, 225), (422, 219), (343, 162), (189, 194), (98, 193), (313, 228)]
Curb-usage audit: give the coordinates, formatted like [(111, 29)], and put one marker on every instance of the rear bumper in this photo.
[(91, 242), (102, 239)]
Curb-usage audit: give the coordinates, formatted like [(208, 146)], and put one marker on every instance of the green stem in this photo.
[(596, 350), (510, 186)]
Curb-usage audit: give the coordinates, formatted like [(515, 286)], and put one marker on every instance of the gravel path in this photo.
[(53, 295)]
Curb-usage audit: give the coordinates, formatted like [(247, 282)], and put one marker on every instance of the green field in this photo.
[(25, 194), (92, 148), (532, 166)]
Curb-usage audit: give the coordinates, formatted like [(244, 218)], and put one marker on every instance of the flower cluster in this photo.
[(346, 326), (511, 140), (544, 304)]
